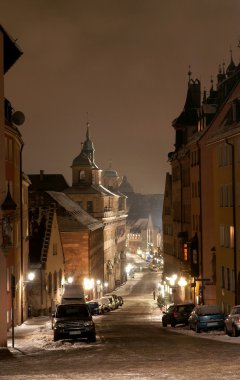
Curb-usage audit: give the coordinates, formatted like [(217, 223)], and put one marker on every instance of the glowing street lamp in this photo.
[(31, 276), (88, 283), (182, 281), (70, 280)]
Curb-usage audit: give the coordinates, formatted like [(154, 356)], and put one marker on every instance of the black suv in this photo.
[(177, 314), (73, 321)]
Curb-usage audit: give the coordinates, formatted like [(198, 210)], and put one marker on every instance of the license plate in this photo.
[(74, 332)]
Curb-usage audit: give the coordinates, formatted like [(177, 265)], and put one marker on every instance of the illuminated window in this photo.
[(231, 236), (185, 252)]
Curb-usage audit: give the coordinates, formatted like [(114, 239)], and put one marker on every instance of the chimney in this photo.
[(41, 175)]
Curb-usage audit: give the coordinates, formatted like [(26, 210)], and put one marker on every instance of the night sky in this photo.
[(124, 63)]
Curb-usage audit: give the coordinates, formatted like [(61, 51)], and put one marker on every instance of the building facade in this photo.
[(204, 193), (11, 247), (103, 204)]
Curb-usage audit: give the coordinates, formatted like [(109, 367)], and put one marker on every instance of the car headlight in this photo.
[(60, 325), (88, 323)]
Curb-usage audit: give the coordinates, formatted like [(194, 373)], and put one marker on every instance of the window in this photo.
[(89, 206), (221, 196), (49, 283), (227, 236), (82, 175), (223, 278), (60, 278), (54, 249), (231, 233), (233, 281), (228, 279), (55, 282)]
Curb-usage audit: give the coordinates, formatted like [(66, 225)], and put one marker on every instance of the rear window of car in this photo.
[(72, 311), (186, 308)]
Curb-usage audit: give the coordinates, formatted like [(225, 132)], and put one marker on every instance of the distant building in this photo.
[(65, 242), (108, 206)]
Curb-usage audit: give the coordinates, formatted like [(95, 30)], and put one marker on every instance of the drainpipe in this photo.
[(234, 220), (21, 233), (201, 222)]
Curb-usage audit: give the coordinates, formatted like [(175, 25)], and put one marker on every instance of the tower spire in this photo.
[(189, 74)]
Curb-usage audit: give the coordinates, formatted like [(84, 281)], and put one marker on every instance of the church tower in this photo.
[(84, 170)]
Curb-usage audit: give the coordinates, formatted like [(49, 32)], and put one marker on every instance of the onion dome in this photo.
[(110, 172)]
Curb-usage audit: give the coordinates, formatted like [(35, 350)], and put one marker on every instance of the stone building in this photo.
[(200, 227), (11, 241), (65, 243), (105, 205)]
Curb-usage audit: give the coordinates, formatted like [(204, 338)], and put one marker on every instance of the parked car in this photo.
[(116, 300), (120, 300), (232, 322), (206, 317), (106, 304), (113, 304), (177, 314), (95, 307), (73, 321)]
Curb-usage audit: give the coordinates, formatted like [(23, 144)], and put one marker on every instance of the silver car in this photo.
[(232, 322)]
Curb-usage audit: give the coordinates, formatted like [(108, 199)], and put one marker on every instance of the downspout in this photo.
[(200, 195), (234, 221), (21, 231)]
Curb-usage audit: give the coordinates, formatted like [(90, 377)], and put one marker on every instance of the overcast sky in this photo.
[(125, 63)]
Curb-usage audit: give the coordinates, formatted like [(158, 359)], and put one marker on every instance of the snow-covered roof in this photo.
[(75, 211)]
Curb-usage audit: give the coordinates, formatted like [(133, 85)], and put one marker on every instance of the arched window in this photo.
[(82, 175)]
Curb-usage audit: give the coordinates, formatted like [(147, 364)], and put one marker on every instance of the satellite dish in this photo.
[(18, 118)]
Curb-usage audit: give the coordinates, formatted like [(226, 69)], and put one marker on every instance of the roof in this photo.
[(139, 225), (11, 51), (75, 217), (92, 189), (44, 182)]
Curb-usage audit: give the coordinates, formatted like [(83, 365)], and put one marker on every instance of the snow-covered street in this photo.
[(131, 344)]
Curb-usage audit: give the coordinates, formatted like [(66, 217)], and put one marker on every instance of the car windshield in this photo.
[(72, 311), (209, 310)]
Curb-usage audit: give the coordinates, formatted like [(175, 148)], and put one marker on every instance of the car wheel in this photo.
[(197, 329), (164, 324), (226, 330), (173, 323), (92, 338), (55, 336), (234, 331)]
